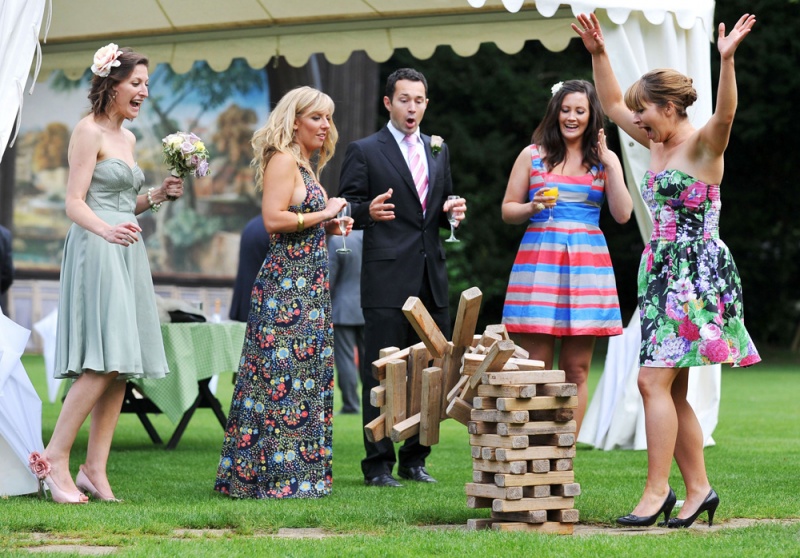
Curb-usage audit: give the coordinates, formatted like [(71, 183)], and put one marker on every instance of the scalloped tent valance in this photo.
[(257, 30)]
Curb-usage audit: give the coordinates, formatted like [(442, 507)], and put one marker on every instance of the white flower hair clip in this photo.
[(556, 88), (105, 59)]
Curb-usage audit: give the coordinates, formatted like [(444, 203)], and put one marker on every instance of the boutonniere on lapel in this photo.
[(436, 145)]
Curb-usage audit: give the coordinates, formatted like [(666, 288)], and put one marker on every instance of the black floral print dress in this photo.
[(278, 438), (690, 293)]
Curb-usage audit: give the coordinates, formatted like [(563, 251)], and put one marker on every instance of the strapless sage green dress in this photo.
[(107, 316)]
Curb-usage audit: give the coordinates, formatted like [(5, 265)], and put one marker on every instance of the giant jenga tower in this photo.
[(519, 416)]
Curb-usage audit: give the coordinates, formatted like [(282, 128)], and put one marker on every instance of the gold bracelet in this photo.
[(300, 222)]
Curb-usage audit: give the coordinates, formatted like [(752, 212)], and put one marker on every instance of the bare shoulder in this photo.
[(87, 136)]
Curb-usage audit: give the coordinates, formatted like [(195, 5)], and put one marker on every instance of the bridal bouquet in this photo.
[(185, 154)]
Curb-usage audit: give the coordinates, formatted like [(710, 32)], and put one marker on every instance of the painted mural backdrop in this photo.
[(196, 235)]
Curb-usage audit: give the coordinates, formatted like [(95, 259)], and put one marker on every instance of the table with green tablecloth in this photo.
[(195, 353)]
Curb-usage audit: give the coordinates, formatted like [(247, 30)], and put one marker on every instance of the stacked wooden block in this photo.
[(522, 435)]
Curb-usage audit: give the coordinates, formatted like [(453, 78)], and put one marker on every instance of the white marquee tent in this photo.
[(641, 35)]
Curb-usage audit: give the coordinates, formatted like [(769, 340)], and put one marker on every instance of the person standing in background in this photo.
[(253, 249), (348, 319), (6, 267)]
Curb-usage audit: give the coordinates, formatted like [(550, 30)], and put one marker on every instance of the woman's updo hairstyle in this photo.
[(659, 87), (101, 92)]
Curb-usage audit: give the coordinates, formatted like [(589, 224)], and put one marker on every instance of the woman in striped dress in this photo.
[(562, 282)]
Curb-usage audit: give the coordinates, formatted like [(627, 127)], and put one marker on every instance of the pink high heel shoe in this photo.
[(40, 467), (83, 483)]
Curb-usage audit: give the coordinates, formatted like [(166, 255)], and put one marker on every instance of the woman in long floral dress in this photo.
[(278, 439), (690, 294)]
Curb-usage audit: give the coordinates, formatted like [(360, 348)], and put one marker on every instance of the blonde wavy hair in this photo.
[(277, 135)]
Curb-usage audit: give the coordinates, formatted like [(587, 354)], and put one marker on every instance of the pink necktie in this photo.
[(417, 169)]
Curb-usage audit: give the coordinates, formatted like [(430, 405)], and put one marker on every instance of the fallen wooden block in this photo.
[(377, 396), (405, 429), (457, 387), (384, 356), (498, 329), (431, 405), (375, 430), (418, 359), (426, 328), (395, 393), (494, 361), (460, 410)]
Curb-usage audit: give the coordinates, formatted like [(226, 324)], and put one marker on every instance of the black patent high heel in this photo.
[(709, 504), (632, 520)]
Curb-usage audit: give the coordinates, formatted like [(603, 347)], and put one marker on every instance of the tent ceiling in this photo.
[(179, 32)]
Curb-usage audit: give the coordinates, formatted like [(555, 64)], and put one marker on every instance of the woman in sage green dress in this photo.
[(108, 327)]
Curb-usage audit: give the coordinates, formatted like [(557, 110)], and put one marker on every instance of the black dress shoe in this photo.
[(631, 520), (418, 474), (382, 480)]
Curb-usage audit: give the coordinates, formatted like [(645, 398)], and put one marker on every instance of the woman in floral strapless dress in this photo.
[(690, 294), (278, 440)]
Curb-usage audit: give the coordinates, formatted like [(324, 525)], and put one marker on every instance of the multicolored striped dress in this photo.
[(562, 282)]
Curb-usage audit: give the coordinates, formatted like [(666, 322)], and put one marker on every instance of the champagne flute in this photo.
[(552, 191), (343, 217), (451, 218)]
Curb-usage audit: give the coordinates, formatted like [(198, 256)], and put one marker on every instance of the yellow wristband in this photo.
[(300, 222)]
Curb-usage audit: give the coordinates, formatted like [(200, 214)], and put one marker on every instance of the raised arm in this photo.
[(715, 134), (608, 89)]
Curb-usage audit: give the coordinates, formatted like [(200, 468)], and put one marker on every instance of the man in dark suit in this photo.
[(253, 248), (344, 271), (6, 266), (398, 187)]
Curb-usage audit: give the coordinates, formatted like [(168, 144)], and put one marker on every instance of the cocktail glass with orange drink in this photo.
[(552, 192)]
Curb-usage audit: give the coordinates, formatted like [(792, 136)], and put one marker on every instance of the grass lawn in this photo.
[(167, 495)]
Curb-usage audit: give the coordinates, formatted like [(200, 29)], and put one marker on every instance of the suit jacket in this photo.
[(396, 252), (344, 272), (253, 249)]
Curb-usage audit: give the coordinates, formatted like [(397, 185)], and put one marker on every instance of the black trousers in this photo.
[(388, 327)]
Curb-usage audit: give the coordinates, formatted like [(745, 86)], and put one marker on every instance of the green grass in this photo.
[(753, 467)]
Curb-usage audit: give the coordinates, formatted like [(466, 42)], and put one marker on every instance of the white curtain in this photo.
[(20, 413), (20, 21), (615, 417)]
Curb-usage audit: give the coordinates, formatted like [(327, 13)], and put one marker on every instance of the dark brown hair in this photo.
[(548, 132), (102, 90)]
